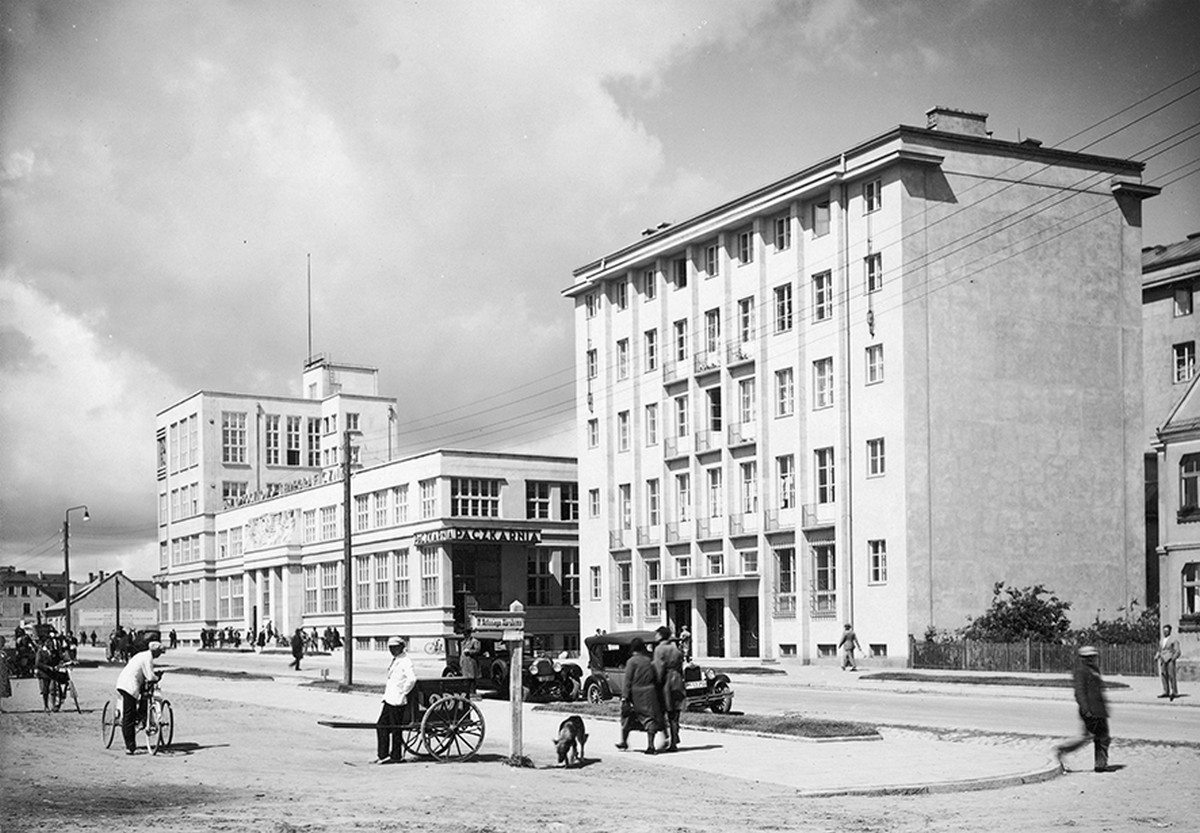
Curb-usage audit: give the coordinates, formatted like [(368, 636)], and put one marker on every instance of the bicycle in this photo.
[(158, 726), (60, 690)]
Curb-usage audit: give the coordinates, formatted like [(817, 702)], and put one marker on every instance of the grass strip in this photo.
[(791, 724), (968, 679)]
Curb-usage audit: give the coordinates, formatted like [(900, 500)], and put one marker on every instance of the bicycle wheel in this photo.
[(166, 725), (75, 696), (151, 728), (110, 719)]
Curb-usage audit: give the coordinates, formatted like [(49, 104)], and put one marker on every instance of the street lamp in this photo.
[(67, 557)]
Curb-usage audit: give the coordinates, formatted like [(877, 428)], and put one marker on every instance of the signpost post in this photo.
[(511, 623)]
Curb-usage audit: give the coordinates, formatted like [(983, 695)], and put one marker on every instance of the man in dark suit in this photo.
[(1089, 695)]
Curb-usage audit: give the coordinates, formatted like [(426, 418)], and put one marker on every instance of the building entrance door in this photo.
[(714, 622), (475, 573), (679, 614), (748, 625)]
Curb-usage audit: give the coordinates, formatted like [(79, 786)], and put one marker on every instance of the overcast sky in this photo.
[(167, 167)]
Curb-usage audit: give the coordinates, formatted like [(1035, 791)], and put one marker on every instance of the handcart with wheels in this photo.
[(440, 720)]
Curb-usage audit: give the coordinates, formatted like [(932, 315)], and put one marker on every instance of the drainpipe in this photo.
[(847, 570)]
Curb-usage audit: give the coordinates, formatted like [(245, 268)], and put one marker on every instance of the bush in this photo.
[(1140, 629), (1017, 614)]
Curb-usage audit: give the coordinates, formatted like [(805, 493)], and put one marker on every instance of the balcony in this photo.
[(707, 361), (777, 519), (647, 535), (746, 524), (674, 447), (739, 352), (670, 372), (818, 515), (707, 440), (707, 528), (678, 531), (743, 433), (616, 539)]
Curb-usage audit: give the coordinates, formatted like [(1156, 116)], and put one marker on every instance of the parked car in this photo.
[(608, 653), (142, 638), (544, 678)]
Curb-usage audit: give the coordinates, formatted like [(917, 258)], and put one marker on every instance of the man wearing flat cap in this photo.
[(1089, 695), (400, 679), (131, 685)]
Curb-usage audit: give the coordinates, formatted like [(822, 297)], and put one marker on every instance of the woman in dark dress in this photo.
[(641, 703)]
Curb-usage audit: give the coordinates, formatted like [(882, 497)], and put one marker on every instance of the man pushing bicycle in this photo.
[(132, 687)]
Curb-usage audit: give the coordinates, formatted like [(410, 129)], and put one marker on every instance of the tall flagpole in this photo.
[(309, 356)]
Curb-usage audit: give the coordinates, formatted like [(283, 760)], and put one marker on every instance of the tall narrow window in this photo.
[(712, 259), (593, 433), (714, 408), (593, 503), (712, 331), (595, 585), (570, 573), (623, 431), (874, 363), (1185, 361), (625, 500), (824, 571), (538, 576), (785, 467), (622, 294), (679, 267), (785, 396), (716, 492), (876, 463), (623, 358), (537, 500), (652, 424), (824, 473), (653, 509), (872, 195), (683, 497), (273, 440), (877, 562), (681, 415), (785, 581), (293, 441), (592, 303), (783, 232), (593, 364), (746, 320), (681, 340), (873, 272), (651, 343), (747, 399), (820, 218), (822, 296), (314, 442), (1189, 482), (649, 286), (745, 246), (1183, 302), (783, 308), (653, 588), (823, 383), (428, 499), (624, 590), (749, 473), (430, 569), (568, 502), (233, 437)]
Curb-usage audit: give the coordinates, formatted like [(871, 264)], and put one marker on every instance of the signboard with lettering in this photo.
[(478, 535), (499, 620)]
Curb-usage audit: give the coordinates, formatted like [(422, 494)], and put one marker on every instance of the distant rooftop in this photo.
[(1156, 257)]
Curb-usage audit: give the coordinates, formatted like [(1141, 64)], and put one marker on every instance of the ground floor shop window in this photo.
[(824, 582), (785, 581)]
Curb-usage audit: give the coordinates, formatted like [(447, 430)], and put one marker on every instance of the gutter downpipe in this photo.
[(847, 446)]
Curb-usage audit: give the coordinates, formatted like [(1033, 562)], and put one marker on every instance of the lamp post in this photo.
[(67, 557)]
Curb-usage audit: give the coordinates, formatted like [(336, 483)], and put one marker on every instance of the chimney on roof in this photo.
[(949, 120)]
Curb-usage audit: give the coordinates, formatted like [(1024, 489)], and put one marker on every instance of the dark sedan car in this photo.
[(608, 653)]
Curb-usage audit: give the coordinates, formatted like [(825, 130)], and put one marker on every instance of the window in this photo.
[(712, 331), (1183, 302), (745, 320), (876, 466), (592, 303), (820, 218), (783, 232), (430, 563), (362, 582), (401, 594), (822, 296), (874, 363), (713, 396), (783, 308), (745, 246), (679, 267), (785, 581), (877, 562), (593, 433), (380, 503), (623, 358), (749, 559), (1189, 482), (747, 399), (351, 422), (568, 502), (1185, 361), (233, 437), (570, 580), (233, 492), (273, 439), (683, 566), (538, 577), (624, 590), (383, 581), (681, 415), (824, 474), (873, 272), (653, 588), (537, 500), (652, 424), (749, 475), (653, 513), (1190, 584), (785, 398), (362, 512), (681, 340), (474, 497), (329, 529), (649, 284), (623, 431), (593, 503), (716, 492), (173, 444), (594, 584), (824, 570), (593, 367), (651, 345), (428, 499), (331, 586), (400, 503), (625, 501), (785, 467), (314, 442), (683, 497), (822, 383), (293, 441), (621, 290), (712, 259), (872, 195)]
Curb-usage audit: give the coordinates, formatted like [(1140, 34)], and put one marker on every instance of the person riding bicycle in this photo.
[(132, 687), (49, 676)]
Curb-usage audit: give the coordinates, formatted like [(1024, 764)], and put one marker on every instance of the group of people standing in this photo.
[(653, 693)]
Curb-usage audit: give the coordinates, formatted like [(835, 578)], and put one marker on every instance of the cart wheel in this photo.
[(110, 718), (75, 696), (411, 739), (453, 729), (166, 725)]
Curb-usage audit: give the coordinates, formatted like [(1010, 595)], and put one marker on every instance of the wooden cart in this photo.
[(440, 720)]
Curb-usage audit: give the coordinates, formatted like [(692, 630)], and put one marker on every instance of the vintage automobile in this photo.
[(608, 653), (544, 678)]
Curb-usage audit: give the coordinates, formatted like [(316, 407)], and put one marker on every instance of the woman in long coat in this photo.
[(641, 703)]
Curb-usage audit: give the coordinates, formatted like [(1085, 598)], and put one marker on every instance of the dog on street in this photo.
[(572, 736)]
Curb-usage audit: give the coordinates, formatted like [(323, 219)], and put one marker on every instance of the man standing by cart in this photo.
[(400, 679)]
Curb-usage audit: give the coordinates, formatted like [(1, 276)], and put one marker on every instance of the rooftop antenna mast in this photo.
[(308, 358)]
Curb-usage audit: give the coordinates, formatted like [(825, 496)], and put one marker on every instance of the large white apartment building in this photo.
[(867, 392), (252, 520)]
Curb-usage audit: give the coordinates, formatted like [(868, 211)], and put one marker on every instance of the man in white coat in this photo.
[(401, 677)]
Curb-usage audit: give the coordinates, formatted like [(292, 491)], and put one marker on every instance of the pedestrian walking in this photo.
[(1093, 709), (641, 701), (400, 679), (848, 645), (668, 667), (1168, 655), (297, 649), (174, 639), (685, 643)]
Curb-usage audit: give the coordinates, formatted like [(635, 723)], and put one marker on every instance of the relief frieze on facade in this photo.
[(272, 529)]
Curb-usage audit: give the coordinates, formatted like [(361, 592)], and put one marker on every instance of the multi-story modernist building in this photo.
[(251, 515), (867, 392)]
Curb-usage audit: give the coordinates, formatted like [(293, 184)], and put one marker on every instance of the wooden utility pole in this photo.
[(347, 594)]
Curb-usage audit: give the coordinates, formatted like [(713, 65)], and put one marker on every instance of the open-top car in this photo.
[(608, 653)]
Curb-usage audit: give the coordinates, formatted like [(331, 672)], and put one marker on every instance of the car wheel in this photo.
[(593, 694), (725, 704)]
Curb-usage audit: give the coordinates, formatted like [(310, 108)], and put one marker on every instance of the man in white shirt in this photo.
[(401, 677), (136, 673), (1168, 655)]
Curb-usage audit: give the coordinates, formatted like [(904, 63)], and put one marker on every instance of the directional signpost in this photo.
[(511, 623)]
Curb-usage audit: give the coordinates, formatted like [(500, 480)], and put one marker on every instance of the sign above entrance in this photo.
[(499, 620), (478, 535)]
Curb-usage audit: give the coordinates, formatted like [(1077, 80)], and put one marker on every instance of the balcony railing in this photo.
[(616, 539), (707, 361), (710, 528), (675, 531), (814, 515), (706, 440), (777, 519), (647, 535), (676, 447), (743, 433), (822, 603), (739, 352), (670, 371), (743, 524)]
